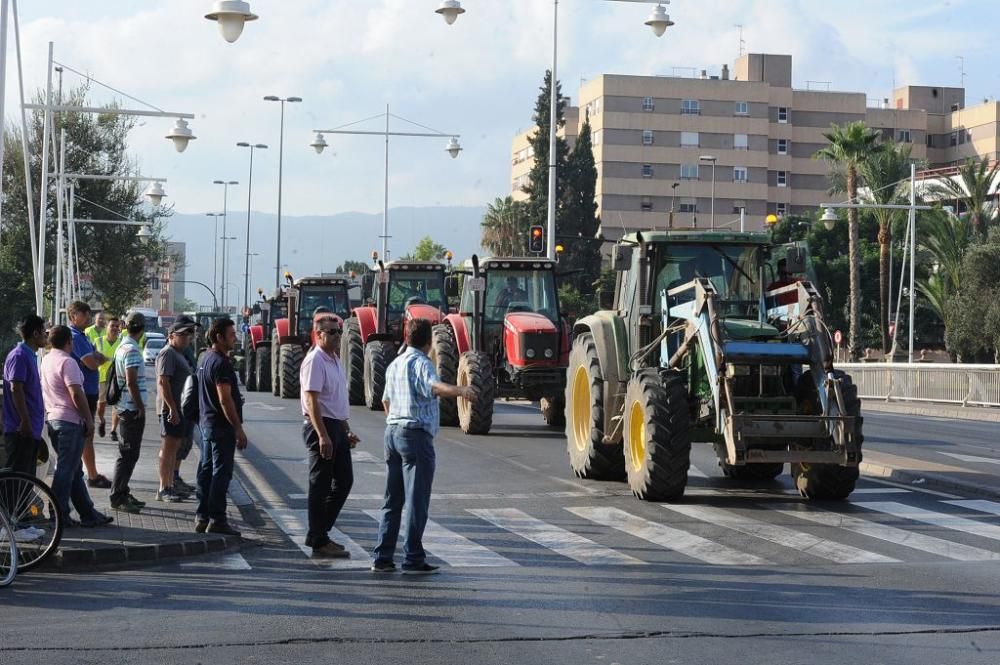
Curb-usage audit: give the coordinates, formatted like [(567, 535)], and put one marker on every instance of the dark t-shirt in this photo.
[(172, 363), (83, 347), (213, 369)]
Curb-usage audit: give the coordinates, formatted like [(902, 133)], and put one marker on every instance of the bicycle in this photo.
[(8, 550), (36, 522)]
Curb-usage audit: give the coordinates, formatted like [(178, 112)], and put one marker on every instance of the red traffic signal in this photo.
[(536, 240)]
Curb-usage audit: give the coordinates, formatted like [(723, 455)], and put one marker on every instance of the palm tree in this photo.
[(850, 146), (974, 190), (505, 228), (945, 238), (884, 174)]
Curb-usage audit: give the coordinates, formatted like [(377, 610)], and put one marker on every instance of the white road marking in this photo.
[(294, 524), (881, 490), (225, 562), (971, 458), (264, 406), (366, 457), (797, 540), (695, 472), (557, 539), (494, 496), (680, 541), (982, 529), (454, 549), (295, 497), (891, 534), (910, 487), (979, 505)]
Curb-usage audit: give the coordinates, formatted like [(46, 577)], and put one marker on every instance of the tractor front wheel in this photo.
[(444, 355), (657, 438), (589, 457), (554, 410), (291, 362), (275, 367), (378, 355), (352, 355), (262, 360), (251, 371), (474, 369)]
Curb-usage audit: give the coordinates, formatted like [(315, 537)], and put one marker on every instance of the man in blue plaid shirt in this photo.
[(412, 388)]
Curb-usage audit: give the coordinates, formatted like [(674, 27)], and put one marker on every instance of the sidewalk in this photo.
[(980, 413), (161, 531)]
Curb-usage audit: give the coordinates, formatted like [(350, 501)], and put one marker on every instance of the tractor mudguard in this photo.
[(367, 320), (256, 336), (281, 328), (608, 331), (458, 325), (422, 311)]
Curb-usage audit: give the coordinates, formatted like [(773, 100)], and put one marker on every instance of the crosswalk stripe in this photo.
[(555, 538), (979, 505), (954, 522), (695, 472), (780, 535), (455, 549), (911, 539), (880, 490), (294, 524), (225, 562), (680, 541)]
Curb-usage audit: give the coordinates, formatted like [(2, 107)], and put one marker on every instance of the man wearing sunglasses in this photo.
[(327, 435)]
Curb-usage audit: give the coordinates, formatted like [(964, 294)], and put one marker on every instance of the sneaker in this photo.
[(383, 567), (99, 482), (222, 527), (126, 506), (136, 501), (96, 520), (28, 535), (102, 430), (168, 495), (114, 435), (200, 526), (330, 550), (182, 486), (422, 569)]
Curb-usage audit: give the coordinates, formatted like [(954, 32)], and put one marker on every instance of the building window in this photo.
[(741, 142), (647, 170), (783, 114), (689, 171), (739, 205), (689, 205), (780, 210), (740, 174), (782, 146), (954, 139), (597, 137), (689, 139), (782, 178), (647, 104), (903, 136), (647, 137), (742, 108), (646, 205), (690, 106)]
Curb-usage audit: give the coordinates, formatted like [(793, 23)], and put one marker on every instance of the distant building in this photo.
[(166, 280), (650, 133)]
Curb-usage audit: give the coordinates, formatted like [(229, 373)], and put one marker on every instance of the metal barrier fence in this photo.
[(943, 383)]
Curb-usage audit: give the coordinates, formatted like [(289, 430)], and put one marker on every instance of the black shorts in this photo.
[(179, 431), (92, 403)]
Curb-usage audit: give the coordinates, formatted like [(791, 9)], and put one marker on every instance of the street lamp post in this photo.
[(246, 270), (231, 15), (215, 251), (225, 209), (281, 154), (452, 148), (225, 266), (658, 20), (713, 159)]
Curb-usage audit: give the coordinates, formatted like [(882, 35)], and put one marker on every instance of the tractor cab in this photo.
[(307, 294)]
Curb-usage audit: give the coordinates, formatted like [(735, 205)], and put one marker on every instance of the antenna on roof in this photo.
[(961, 67), (743, 44)]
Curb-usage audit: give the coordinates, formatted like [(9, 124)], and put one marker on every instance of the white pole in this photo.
[(713, 193), (60, 266), (385, 191), (553, 116), (743, 220), (3, 88), (225, 205), (913, 249), (281, 160), (73, 261), (43, 205), (25, 156)]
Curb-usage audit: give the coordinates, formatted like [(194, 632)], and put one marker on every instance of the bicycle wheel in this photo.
[(8, 550), (35, 517)]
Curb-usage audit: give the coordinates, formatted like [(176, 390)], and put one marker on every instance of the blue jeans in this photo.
[(215, 470), (409, 461), (67, 480)]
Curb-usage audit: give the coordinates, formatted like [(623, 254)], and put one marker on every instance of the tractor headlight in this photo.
[(548, 353), (530, 353)]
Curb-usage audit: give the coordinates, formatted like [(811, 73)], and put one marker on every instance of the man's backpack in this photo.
[(113, 389)]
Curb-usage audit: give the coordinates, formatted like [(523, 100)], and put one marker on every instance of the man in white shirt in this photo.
[(327, 436)]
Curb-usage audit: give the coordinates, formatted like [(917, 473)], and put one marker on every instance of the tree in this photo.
[(974, 192), (850, 146), (973, 314), (537, 188), (357, 267), (505, 228), (426, 250), (185, 305), (884, 174), (579, 218), (945, 238)]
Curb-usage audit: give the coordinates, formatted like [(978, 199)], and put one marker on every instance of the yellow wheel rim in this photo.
[(581, 409), (637, 435)]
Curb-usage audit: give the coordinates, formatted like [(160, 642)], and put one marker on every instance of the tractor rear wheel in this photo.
[(444, 355), (262, 359), (474, 370), (584, 415), (291, 363), (378, 355), (828, 482), (275, 368), (352, 355), (657, 438), (251, 371), (554, 410), (758, 472)]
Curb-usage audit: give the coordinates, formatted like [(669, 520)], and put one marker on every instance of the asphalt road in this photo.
[(539, 567)]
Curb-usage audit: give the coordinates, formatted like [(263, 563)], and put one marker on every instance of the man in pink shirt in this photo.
[(69, 420)]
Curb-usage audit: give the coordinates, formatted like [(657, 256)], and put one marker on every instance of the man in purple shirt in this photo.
[(23, 410)]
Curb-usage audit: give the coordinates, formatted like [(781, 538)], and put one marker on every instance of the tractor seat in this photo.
[(519, 307)]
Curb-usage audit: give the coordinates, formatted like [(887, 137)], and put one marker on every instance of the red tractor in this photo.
[(292, 335), (507, 340), (399, 292), (258, 352)]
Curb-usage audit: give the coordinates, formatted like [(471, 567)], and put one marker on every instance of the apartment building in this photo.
[(166, 280), (652, 136), (523, 155)]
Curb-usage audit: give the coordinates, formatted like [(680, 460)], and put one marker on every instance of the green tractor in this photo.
[(716, 337)]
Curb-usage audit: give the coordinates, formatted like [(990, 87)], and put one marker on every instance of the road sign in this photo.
[(838, 337)]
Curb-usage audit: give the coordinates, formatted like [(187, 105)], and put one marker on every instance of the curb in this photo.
[(927, 480), (973, 413), (89, 558)]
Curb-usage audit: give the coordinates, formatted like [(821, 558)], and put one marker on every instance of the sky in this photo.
[(477, 78)]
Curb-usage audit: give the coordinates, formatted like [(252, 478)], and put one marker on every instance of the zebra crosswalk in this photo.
[(744, 533)]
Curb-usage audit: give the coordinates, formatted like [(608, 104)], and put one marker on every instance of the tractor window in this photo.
[(520, 291), (334, 298), (408, 287), (732, 269)]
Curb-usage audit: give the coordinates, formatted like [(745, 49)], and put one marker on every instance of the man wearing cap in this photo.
[(131, 410), (90, 360), (172, 370), (188, 441)]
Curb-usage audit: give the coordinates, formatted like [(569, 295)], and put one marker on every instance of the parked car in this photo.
[(153, 347)]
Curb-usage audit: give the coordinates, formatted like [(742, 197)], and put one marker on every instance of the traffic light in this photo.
[(536, 241)]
